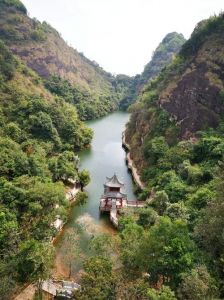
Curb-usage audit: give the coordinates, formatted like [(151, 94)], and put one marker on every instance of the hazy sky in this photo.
[(121, 34)]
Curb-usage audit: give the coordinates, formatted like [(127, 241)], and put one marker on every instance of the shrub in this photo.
[(14, 3), (8, 63)]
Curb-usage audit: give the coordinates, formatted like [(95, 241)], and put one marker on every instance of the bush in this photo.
[(14, 3), (8, 63), (81, 198), (147, 217), (191, 173), (38, 35), (155, 149), (197, 284)]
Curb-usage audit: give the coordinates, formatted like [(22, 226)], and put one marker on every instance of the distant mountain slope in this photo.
[(68, 73), (177, 144), (42, 48), (187, 96), (38, 136), (162, 56)]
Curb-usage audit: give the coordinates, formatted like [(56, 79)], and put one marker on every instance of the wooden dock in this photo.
[(114, 210)]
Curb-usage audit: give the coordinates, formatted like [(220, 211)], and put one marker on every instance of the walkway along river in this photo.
[(105, 157)]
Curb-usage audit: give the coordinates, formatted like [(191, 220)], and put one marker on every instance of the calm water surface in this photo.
[(105, 157)]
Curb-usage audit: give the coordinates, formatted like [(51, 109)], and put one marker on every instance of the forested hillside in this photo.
[(176, 139), (173, 247), (67, 72), (38, 136), (162, 56)]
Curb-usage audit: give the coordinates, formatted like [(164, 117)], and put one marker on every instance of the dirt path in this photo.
[(131, 165), (27, 294)]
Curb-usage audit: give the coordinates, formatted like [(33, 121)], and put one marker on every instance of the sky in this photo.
[(121, 35)]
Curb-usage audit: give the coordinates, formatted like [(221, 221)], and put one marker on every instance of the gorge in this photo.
[(59, 115)]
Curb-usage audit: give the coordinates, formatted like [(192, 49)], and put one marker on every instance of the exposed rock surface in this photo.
[(186, 97)]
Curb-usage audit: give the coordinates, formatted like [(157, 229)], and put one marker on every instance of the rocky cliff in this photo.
[(43, 49), (162, 56), (187, 96)]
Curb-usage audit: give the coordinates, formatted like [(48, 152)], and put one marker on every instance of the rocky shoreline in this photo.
[(130, 164)]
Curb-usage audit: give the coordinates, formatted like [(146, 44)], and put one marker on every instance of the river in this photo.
[(105, 157)]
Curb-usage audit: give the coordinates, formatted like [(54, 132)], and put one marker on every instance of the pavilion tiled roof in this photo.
[(114, 195), (114, 182)]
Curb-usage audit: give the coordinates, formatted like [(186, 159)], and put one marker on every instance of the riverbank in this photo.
[(27, 292), (70, 194), (104, 158), (130, 164)]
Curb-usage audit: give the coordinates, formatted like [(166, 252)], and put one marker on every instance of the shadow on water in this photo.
[(105, 157)]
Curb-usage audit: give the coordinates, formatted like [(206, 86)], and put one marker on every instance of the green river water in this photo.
[(105, 157)]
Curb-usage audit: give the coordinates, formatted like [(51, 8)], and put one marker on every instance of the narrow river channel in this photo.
[(105, 157)]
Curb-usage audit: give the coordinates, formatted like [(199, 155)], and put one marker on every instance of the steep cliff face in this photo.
[(196, 100), (38, 136), (43, 49), (187, 96), (162, 56), (177, 143)]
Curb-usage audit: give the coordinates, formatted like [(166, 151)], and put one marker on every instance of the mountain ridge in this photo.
[(161, 57)]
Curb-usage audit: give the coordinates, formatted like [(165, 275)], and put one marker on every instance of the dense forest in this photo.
[(173, 247), (43, 50), (39, 136), (176, 138), (68, 73)]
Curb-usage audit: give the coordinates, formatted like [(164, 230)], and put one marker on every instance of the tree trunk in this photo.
[(70, 270)]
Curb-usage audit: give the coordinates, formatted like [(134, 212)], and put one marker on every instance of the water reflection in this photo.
[(104, 158)]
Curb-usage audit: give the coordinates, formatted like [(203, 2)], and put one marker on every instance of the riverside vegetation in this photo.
[(68, 73), (172, 248), (38, 139)]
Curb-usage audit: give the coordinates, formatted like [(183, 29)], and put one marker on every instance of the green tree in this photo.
[(41, 125), (201, 197), (98, 281), (174, 187), (102, 245), (72, 251), (14, 132), (147, 217), (8, 63), (84, 178), (155, 149), (34, 260), (160, 202), (125, 220), (209, 230), (131, 238), (7, 286), (165, 293), (64, 166), (177, 211), (167, 251), (191, 173), (8, 230), (197, 284), (12, 159), (81, 198)]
